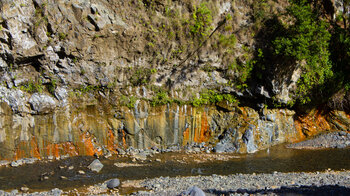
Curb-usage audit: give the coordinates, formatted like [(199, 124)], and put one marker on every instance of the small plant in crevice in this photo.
[(128, 101), (33, 87), (161, 98), (51, 87), (200, 24), (212, 97)]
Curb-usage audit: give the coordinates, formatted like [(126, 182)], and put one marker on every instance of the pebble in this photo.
[(260, 184), (71, 167), (24, 189), (63, 177), (81, 172)]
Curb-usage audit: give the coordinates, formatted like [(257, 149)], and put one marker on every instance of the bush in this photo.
[(306, 40), (201, 21)]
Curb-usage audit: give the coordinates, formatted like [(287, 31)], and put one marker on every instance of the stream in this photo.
[(278, 158)]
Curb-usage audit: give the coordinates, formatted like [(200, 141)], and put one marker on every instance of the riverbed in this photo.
[(66, 174)]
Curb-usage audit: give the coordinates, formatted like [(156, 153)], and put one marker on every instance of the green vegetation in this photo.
[(52, 86), (161, 98), (33, 87), (201, 21), (306, 42), (128, 101), (62, 36), (212, 97)]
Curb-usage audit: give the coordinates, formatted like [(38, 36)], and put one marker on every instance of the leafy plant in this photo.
[(306, 40), (201, 21), (161, 98), (212, 97), (33, 87), (128, 101)]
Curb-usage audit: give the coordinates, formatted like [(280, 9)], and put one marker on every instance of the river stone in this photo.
[(96, 165), (193, 191), (111, 184)]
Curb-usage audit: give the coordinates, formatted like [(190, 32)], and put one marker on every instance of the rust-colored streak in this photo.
[(205, 133), (34, 149), (202, 135), (124, 139), (312, 124), (186, 136), (196, 135), (20, 153), (300, 134), (111, 146), (89, 147)]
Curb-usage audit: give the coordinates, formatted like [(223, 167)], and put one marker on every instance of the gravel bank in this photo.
[(318, 183), (331, 140)]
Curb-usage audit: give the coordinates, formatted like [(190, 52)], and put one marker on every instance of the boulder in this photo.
[(193, 191), (42, 103), (113, 183), (96, 166)]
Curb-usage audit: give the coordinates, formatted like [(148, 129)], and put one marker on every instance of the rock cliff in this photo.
[(86, 77)]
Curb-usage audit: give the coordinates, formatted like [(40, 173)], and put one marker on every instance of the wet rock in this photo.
[(17, 163), (4, 163), (248, 139), (96, 165), (193, 191), (42, 103), (114, 183)]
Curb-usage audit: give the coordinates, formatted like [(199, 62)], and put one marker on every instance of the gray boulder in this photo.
[(42, 103), (96, 166), (193, 191), (113, 183)]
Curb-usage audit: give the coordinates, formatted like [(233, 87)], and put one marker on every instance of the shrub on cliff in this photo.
[(306, 40)]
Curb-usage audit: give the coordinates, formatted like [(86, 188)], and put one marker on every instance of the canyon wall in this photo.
[(86, 77)]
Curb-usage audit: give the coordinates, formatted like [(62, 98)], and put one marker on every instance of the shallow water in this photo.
[(172, 164)]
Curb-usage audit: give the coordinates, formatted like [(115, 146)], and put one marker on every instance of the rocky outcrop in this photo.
[(81, 77)]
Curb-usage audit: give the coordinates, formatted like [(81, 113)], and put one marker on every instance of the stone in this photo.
[(24, 189), (17, 163), (121, 151), (140, 156), (96, 166), (56, 191), (30, 160), (71, 167), (193, 191), (3, 64), (81, 172), (114, 183), (4, 163), (63, 177), (42, 103)]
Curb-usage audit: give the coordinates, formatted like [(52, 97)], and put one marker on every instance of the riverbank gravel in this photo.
[(331, 140), (318, 183)]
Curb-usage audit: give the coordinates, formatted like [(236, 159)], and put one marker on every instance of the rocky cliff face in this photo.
[(85, 77)]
